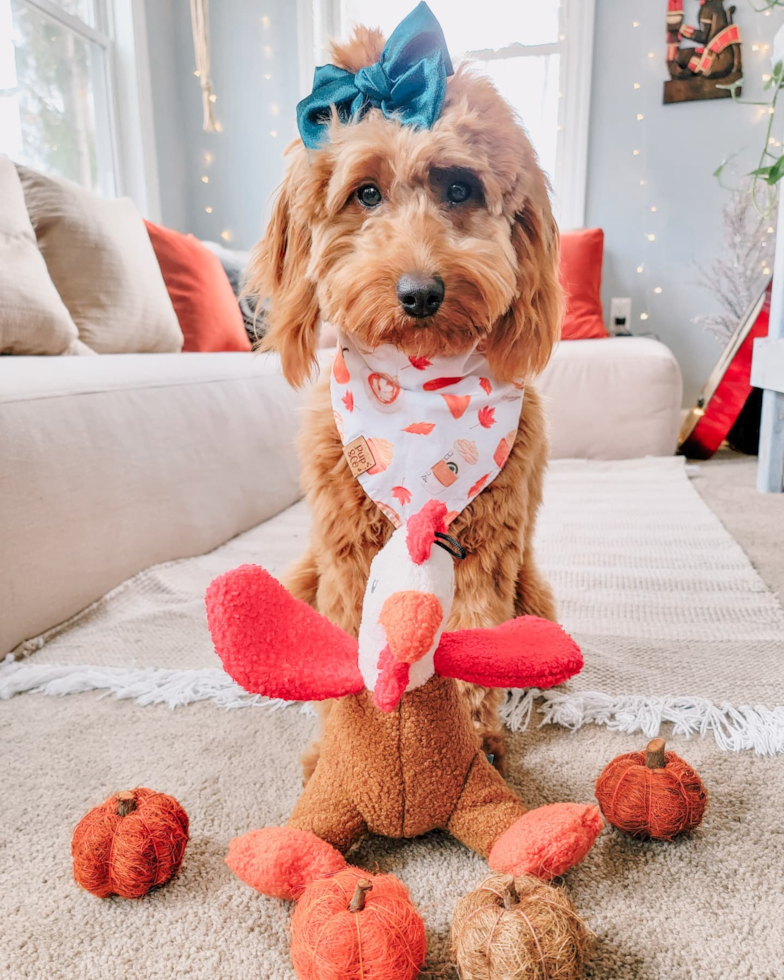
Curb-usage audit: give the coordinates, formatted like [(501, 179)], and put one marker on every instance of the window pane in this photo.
[(83, 9), (531, 85), (55, 116), (468, 25)]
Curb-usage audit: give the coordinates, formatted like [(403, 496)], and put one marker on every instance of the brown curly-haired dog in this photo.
[(335, 251)]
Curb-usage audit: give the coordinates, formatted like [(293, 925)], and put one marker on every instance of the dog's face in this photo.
[(431, 240)]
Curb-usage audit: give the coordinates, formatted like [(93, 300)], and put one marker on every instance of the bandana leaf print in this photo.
[(486, 417), (418, 428)]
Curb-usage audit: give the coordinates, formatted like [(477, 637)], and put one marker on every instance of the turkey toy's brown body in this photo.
[(401, 755), (403, 773)]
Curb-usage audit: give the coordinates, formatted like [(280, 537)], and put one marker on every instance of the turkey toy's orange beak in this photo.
[(411, 621)]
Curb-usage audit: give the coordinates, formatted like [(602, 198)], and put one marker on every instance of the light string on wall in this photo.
[(642, 85), (200, 23), (646, 87)]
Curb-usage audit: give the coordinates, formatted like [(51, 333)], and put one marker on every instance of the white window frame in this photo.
[(318, 20), (121, 32)]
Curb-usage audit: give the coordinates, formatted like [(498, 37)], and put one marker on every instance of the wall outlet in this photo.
[(620, 315)]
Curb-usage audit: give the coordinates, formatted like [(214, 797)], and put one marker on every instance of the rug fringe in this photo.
[(735, 728), (145, 685)]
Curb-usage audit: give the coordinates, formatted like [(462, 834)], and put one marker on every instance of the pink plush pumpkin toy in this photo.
[(400, 755)]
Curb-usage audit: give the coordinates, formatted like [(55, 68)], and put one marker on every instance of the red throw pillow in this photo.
[(205, 304), (581, 276)]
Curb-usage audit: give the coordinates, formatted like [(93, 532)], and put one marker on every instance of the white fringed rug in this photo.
[(675, 624)]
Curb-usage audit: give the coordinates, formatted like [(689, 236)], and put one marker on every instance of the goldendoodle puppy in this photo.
[(460, 215)]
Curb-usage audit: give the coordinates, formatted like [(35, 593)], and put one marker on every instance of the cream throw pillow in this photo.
[(33, 318), (101, 260)]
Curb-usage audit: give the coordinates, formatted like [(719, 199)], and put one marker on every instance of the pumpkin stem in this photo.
[(358, 901), (510, 895), (126, 803), (654, 754)]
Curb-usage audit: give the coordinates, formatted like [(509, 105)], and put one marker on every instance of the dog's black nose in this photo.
[(420, 296)]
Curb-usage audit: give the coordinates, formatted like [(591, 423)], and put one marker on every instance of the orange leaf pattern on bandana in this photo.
[(478, 485), (339, 369), (457, 404), (437, 383), (430, 427), (401, 494), (486, 417), (420, 363)]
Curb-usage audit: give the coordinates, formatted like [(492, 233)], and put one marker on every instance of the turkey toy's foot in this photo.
[(282, 862), (547, 841)]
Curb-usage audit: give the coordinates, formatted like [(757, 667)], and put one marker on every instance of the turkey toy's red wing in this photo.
[(524, 652), (276, 645)]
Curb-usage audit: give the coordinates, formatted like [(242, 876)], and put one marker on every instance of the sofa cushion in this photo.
[(114, 463), (203, 299), (100, 259), (617, 398), (33, 317), (581, 274)]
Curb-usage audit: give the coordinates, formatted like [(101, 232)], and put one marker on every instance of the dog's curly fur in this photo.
[(324, 256)]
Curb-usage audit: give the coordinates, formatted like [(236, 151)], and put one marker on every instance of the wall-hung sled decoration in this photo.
[(712, 59)]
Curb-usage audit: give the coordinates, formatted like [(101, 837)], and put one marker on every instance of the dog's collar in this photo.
[(408, 82), (416, 428)]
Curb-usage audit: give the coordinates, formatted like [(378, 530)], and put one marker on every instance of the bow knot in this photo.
[(407, 82), (373, 83)]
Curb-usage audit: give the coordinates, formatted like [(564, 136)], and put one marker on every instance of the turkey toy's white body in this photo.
[(391, 571)]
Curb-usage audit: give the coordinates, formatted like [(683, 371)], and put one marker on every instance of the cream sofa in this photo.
[(111, 464)]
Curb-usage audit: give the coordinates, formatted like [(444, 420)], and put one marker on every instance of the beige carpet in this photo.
[(709, 908), (706, 908)]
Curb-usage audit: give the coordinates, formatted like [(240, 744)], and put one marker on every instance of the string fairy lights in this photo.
[(649, 210), (644, 105), (641, 108), (208, 157)]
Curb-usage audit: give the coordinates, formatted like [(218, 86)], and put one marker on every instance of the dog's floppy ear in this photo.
[(278, 272), (521, 342)]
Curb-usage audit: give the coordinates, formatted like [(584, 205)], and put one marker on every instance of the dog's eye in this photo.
[(458, 192), (369, 196)]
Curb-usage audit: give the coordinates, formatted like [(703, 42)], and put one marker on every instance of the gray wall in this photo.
[(164, 40), (680, 147), (246, 160)]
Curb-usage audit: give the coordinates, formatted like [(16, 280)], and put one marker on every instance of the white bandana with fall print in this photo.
[(414, 429)]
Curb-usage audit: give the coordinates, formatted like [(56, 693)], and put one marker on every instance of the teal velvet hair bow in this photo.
[(407, 82)]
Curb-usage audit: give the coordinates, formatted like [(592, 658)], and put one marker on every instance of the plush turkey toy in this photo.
[(400, 755)]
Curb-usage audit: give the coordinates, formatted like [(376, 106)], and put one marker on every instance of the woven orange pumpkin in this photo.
[(132, 842), (651, 794), (353, 925)]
